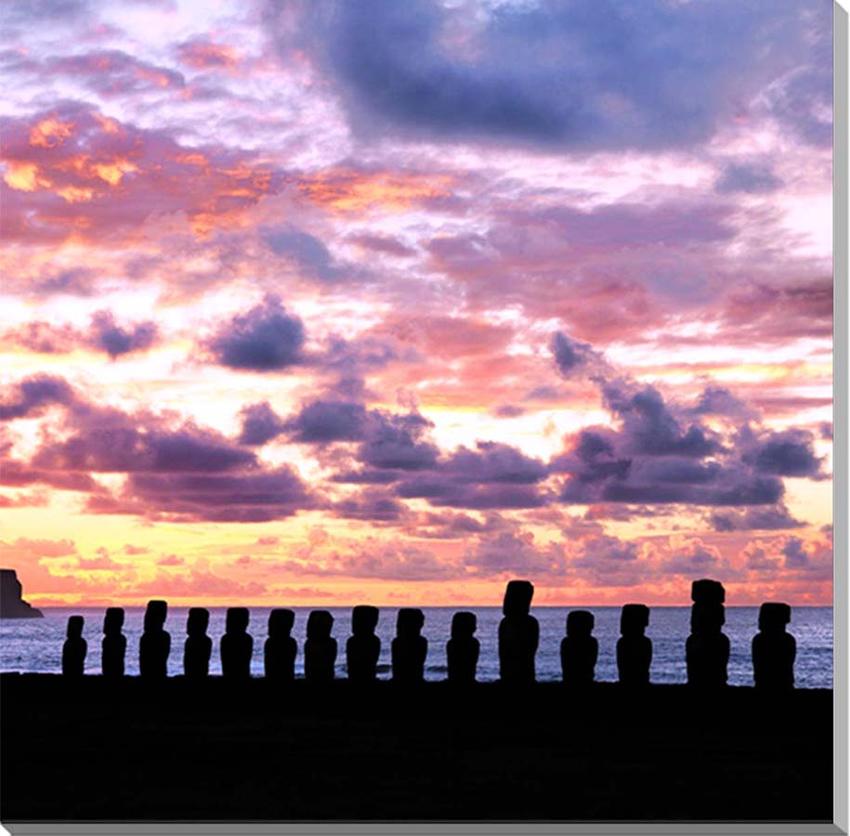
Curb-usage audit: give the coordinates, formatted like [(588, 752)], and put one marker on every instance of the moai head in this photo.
[(364, 620), (708, 592), (75, 627), (197, 621), (518, 595), (707, 618), (580, 623), (319, 624), (236, 620), (464, 625), (773, 617), (155, 615), (409, 622), (113, 621), (281, 623), (634, 619)]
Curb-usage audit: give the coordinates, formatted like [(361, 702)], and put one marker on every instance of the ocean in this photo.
[(35, 646)]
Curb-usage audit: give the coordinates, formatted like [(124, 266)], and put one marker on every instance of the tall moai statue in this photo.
[(280, 648), (113, 648), (707, 648), (320, 647), (519, 635), (409, 647), (462, 649), (237, 646), (155, 644), (774, 650), (634, 648), (579, 649), (363, 647), (197, 648), (74, 649)]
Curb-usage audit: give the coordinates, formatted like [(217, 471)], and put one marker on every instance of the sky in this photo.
[(321, 303)]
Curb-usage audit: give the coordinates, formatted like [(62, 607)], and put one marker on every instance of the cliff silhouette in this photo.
[(12, 604)]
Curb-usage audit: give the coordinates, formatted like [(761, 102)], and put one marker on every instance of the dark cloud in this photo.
[(32, 395), (570, 355), (787, 453), (717, 400), (516, 553), (260, 423), (396, 442), (107, 335), (328, 421), (753, 178), (370, 505), (266, 338), (306, 251), (582, 74), (755, 519)]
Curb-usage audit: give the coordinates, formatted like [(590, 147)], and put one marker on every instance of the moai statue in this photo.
[(320, 647), (74, 649), (774, 650), (363, 647), (707, 648), (114, 644), (280, 648), (579, 649), (634, 649), (409, 647), (462, 648), (519, 634), (237, 646), (197, 649), (155, 644)]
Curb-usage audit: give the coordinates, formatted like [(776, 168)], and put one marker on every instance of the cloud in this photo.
[(755, 519), (308, 253), (328, 421), (752, 178), (576, 75), (204, 54), (516, 553), (112, 72), (266, 338), (32, 395), (107, 335), (786, 453), (570, 355), (260, 423)]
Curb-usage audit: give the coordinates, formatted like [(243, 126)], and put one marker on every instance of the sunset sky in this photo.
[(389, 302)]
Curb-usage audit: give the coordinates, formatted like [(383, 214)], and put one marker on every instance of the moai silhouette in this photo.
[(363, 647), (320, 647), (409, 647), (519, 634), (155, 644), (74, 649), (114, 644), (462, 648), (774, 650), (707, 648), (634, 649), (579, 649), (197, 649), (280, 648), (237, 646)]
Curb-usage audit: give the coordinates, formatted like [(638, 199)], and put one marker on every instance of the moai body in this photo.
[(519, 635), (280, 648), (155, 644), (113, 648), (634, 649), (409, 647), (774, 650), (197, 649), (236, 646), (707, 648), (363, 647), (462, 649), (579, 649), (74, 649), (320, 647)]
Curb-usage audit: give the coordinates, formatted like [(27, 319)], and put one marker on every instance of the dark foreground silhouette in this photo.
[(178, 749)]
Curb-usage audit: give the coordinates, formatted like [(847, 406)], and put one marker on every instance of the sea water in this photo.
[(35, 645)]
